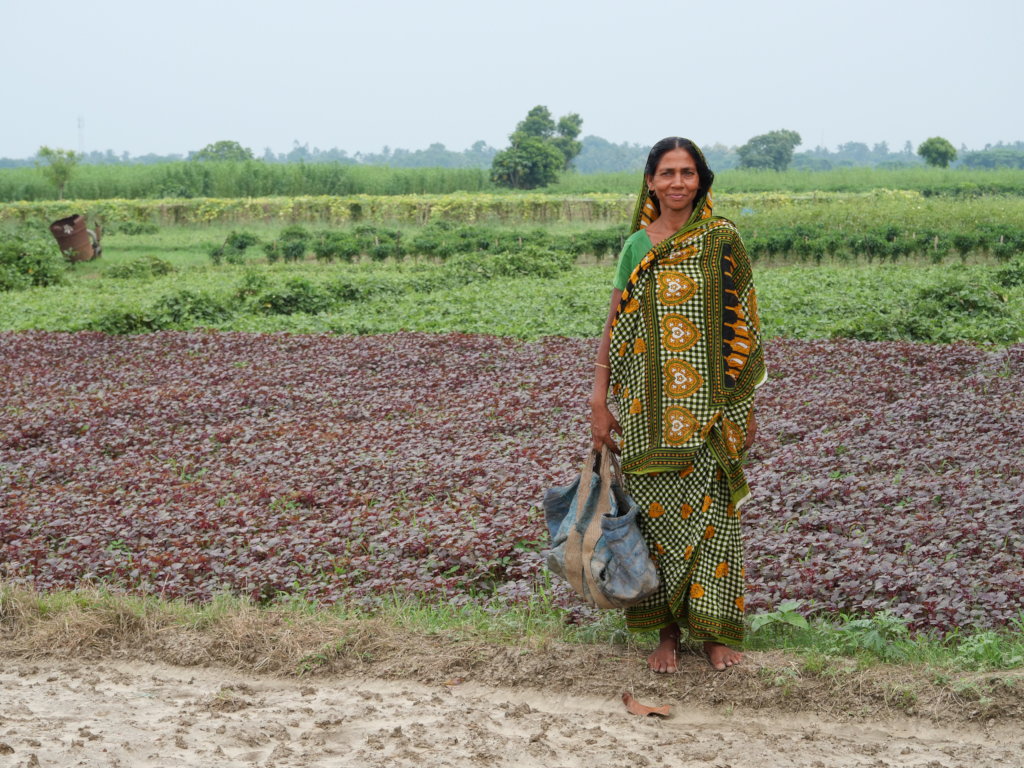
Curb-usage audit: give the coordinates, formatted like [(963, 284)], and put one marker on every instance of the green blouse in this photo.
[(635, 248)]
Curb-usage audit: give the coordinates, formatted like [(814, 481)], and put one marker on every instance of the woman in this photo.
[(680, 353)]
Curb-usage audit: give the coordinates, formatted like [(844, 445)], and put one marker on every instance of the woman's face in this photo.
[(675, 181)]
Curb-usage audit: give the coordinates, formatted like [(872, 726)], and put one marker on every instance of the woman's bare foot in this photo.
[(664, 657), (722, 656)]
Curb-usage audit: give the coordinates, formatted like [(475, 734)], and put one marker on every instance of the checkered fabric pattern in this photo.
[(693, 533), (684, 358)]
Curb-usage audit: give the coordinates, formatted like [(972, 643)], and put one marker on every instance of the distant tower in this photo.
[(81, 135)]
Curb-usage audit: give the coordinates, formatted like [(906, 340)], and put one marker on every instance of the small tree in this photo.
[(528, 163), (221, 151), (769, 150), (539, 149), (60, 163), (937, 151)]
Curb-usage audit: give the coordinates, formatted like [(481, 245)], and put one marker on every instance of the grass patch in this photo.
[(532, 644), (88, 616)]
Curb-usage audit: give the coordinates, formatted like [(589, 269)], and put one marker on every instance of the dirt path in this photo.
[(142, 715)]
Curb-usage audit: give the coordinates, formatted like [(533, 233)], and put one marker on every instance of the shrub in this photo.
[(329, 245), (134, 228), (27, 261), (957, 296), (233, 249), (292, 244), (186, 307), (241, 240), (142, 267), (1011, 275), (532, 261), (252, 284), (122, 320), (296, 295)]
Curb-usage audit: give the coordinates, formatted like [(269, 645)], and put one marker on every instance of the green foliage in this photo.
[(290, 246), (538, 150), (329, 245), (787, 614), (769, 150), (223, 152), (937, 151), (528, 163), (296, 295), (566, 142), (187, 308), (252, 284), (184, 308), (233, 249), (531, 261), (134, 228), (27, 260), (59, 165), (239, 241), (883, 635), (988, 650), (490, 290), (1012, 275), (140, 268)]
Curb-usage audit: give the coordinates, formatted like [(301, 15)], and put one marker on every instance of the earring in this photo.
[(650, 193)]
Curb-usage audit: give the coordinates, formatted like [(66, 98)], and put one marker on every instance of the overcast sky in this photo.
[(172, 77)]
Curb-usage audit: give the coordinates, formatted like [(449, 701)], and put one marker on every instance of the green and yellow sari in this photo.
[(685, 359)]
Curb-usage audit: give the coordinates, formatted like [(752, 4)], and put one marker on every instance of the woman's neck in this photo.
[(673, 221)]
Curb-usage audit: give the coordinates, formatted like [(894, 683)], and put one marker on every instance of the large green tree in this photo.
[(937, 151), (769, 150), (221, 151), (538, 149), (59, 165)]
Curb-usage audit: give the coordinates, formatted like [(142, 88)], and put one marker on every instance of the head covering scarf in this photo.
[(685, 347)]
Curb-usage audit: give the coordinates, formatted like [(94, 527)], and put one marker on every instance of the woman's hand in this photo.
[(602, 424)]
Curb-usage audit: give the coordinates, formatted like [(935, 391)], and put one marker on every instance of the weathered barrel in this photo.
[(73, 238)]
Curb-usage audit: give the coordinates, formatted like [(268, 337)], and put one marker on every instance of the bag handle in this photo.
[(579, 547), (574, 542)]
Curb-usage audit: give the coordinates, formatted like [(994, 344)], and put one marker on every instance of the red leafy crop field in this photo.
[(886, 475)]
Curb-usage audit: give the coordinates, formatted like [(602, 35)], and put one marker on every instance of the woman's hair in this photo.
[(705, 174)]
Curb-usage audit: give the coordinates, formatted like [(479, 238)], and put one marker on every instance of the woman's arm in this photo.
[(602, 422)]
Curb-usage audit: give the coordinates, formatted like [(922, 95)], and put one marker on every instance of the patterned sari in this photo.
[(685, 359)]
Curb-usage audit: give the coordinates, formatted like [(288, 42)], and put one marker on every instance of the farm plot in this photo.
[(342, 468)]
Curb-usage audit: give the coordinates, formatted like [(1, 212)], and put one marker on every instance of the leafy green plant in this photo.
[(329, 245), (233, 248), (27, 261), (988, 650), (531, 261), (786, 614), (185, 307), (58, 165), (296, 295), (141, 267), (880, 634), (134, 228), (1011, 275), (252, 284)]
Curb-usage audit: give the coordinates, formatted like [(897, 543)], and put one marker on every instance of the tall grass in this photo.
[(243, 179), (929, 181), (257, 179)]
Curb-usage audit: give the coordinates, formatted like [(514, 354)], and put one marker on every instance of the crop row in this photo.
[(343, 468), (255, 179), (510, 294)]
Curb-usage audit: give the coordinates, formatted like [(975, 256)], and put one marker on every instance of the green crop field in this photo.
[(257, 179), (500, 283)]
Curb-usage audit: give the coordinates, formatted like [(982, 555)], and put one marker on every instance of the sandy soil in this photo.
[(127, 713)]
